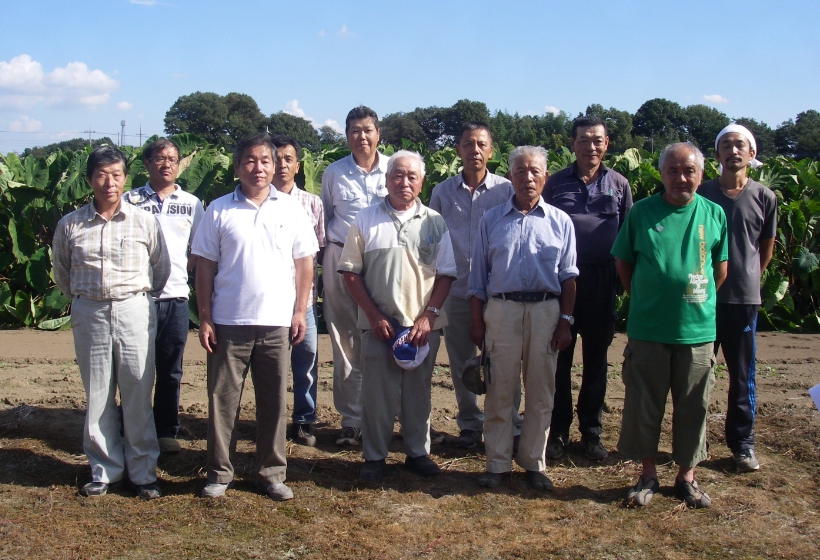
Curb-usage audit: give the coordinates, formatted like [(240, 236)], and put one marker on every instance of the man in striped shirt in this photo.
[(303, 357), (107, 256)]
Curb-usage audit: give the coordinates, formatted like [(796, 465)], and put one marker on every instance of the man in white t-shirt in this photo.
[(252, 311), (178, 214)]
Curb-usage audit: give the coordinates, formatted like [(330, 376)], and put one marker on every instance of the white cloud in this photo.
[(25, 124), (321, 33), (23, 84), (551, 109), (334, 125), (292, 108), (144, 2), (715, 98), (343, 32), (125, 106), (178, 75)]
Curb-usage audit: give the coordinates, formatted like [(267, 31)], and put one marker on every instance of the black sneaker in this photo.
[(468, 439), (745, 460), (436, 438), (93, 489), (691, 494), (593, 449), (301, 434), (555, 448), (372, 471)]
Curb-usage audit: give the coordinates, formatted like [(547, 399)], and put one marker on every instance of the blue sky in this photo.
[(71, 66)]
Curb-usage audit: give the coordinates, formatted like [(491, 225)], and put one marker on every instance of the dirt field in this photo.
[(774, 513)]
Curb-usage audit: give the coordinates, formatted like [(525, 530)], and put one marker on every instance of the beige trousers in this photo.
[(341, 316), (518, 339)]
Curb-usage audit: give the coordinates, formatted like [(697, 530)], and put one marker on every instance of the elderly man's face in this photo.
[(734, 151), (475, 148), (363, 137), (590, 144), (107, 182), (528, 176), (404, 183), (255, 169), (681, 176)]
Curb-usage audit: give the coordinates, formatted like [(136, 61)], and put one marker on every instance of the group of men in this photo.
[(516, 267)]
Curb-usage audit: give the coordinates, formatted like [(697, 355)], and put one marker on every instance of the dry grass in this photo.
[(769, 514)]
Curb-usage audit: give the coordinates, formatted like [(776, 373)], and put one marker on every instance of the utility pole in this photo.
[(122, 136), (89, 135), (140, 134)]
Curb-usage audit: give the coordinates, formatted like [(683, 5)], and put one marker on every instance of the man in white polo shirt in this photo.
[(178, 214), (252, 311)]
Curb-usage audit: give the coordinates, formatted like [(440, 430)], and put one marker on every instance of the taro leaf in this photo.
[(75, 188), (59, 324), (773, 290), (37, 270), (23, 245), (796, 221), (54, 302), (187, 143), (36, 172), (805, 262), (764, 322), (313, 169), (28, 196)]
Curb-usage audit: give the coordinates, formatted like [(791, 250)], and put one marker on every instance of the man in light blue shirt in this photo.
[(349, 185), (523, 267)]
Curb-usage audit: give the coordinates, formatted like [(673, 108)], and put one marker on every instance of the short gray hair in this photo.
[(402, 154), (672, 147), (533, 151)]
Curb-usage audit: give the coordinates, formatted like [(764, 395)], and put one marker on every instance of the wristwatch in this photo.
[(436, 311), (569, 318)]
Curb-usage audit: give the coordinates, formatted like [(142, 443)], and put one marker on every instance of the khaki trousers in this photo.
[(651, 370), (114, 343), (341, 316), (518, 340), (266, 352)]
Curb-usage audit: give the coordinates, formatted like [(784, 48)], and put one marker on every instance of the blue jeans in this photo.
[(305, 367), (172, 333)]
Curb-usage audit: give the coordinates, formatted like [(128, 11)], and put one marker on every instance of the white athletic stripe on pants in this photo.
[(518, 338), (341, 316), (114, 343)]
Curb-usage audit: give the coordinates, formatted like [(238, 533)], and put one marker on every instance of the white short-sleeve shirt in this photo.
[(254, 248)]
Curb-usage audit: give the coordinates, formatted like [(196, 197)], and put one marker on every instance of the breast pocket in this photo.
[(603, 204)]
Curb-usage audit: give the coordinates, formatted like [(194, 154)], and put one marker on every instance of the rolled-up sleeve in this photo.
[(352, 257), (566, 262), (480, 265), (159, 258), (445, 259), (61, 259)]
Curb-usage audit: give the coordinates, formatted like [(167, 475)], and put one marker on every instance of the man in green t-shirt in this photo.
[(671, 257)]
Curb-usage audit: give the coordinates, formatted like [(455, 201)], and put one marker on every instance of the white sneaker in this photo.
[(214, 490)]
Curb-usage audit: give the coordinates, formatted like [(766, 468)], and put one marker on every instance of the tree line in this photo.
[(224, 119)]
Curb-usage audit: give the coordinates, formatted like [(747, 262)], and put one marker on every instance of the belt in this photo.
[(338, 244), (525, 297)]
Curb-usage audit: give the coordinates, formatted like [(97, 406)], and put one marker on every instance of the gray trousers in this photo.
[(341, 316), (384, 385), (114, 343), (266, 352)]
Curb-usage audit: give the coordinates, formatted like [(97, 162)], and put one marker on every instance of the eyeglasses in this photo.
[(160, 160)]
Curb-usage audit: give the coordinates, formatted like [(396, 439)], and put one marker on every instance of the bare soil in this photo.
[(773, 513)]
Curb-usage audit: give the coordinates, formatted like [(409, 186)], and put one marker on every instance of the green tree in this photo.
[(764, 136), (807, 128), (244, 116), (619, 127), (660, 122), (328, 136), (462, 111), (296, 127), (702, 126), (396, 127), (785, 138), (203, 114)]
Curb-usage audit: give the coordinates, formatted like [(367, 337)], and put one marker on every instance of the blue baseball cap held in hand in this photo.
[(406, 355)]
